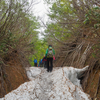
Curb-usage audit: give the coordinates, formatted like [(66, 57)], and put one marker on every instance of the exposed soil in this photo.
[(13, 74), (93, 84)]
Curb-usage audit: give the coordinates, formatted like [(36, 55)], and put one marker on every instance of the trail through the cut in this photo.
[(60, 84)]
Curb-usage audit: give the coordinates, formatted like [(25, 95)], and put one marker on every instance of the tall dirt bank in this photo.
[(12, 72)]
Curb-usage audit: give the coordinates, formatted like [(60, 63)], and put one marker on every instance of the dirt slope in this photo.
[(12, 74)]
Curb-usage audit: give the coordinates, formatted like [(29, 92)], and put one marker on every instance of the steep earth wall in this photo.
[(12, 72)]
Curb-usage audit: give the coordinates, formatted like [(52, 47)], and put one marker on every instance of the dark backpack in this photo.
[(50, 53)]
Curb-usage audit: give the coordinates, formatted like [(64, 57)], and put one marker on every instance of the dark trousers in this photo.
[(49, 64), (45, 64), (35, 64)]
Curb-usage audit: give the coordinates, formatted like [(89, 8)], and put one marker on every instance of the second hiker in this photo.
[(49, 54), (44, 62), (35, 62)]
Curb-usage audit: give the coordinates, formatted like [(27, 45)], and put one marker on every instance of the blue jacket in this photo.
[(35, 61)]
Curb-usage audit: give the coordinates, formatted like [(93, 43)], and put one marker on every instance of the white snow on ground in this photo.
[(60, 84)]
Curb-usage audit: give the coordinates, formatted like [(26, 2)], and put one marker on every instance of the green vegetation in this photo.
[(40, 47), (18, 27), (69, 19), (74, 19), (60, 26)]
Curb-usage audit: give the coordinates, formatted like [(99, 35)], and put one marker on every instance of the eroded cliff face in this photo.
[(12, 72)]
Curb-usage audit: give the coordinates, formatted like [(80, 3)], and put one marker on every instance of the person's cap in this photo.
[(50, 45)]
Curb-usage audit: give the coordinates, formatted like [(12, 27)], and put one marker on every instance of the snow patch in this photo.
[(61, 84)]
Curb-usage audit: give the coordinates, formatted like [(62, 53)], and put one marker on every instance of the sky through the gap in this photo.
[(40, 11)]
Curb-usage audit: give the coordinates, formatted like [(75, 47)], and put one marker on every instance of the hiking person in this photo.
[(49, 55), (44, 62), (40, 63), (35, 62)]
